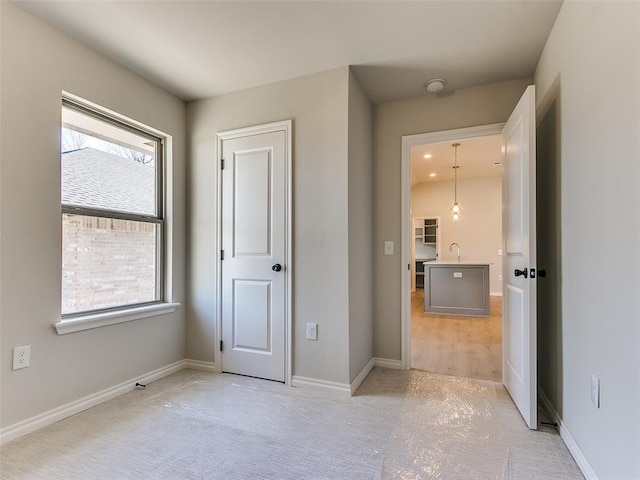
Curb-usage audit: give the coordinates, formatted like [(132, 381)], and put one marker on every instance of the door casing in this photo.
[(287, 127)]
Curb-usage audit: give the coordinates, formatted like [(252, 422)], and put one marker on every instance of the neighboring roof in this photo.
[(96, 179)]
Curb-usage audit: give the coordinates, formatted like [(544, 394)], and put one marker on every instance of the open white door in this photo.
[(519, 369)]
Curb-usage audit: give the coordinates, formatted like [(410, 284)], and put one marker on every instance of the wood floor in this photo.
[(455, 345)]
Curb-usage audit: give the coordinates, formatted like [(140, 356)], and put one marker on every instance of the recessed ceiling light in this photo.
[(433, 174), (428, 155)]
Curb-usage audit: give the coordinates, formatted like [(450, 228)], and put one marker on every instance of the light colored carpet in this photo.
[(196, 425)]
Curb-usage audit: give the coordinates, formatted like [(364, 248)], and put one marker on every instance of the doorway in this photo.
[(463, 344), (519, 339)]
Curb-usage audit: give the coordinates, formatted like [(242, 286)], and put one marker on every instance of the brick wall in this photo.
[(106, 263)]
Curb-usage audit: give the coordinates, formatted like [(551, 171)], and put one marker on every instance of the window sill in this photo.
[(96, 320)]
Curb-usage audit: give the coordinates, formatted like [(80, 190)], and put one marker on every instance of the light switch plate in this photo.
[(388, 247), (457, 274), (312, 331)]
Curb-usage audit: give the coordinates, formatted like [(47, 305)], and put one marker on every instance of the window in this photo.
[(113, 223)]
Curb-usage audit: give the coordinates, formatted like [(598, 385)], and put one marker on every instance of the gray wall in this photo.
[(360, 229), (466, 108), (38, 63), (590, 68), (318, 106)]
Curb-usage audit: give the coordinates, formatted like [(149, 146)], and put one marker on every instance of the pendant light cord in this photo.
[(455, 172)]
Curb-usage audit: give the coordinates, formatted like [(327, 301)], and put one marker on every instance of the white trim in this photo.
[(288, 369), (281, 126), (297, 381), (95, 320), (83, 102), (575, 450), (388, 363), (217, 353), (495, 294), (164, 252), (285, 126), (200, 365), (409, 141), (36, 422), (362, 375)]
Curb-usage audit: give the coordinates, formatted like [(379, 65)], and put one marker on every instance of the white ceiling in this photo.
[(208, 48), (476, 158)]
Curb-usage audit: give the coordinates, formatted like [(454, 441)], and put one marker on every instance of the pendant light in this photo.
[(456, 208)]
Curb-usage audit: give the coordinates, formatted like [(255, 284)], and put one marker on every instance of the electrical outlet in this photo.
[(312, 331), (595, 390), (21, 357)]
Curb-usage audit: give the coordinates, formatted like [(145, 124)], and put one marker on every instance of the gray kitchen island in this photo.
[(456, 288)]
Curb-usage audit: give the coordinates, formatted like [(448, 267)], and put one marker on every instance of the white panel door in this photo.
[(519, 370), (254, 236)]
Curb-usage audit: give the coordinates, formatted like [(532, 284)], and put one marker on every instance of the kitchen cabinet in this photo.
[(419, 273), (456, 288), (430, 232), (425, 239)]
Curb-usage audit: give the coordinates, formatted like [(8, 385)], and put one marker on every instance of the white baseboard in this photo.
[(388, 363), (200, 365), (495, 294), (362, 375), (297, 381), (575, 450), (29, 425)]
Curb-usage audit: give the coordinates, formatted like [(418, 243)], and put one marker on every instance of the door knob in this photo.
[(542, 273), (277, 267), (521, 273)]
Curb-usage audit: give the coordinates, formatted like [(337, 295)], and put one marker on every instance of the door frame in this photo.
[(409, 141), (285, 126)]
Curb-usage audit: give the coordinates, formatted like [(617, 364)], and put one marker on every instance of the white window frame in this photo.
[(84, 320)]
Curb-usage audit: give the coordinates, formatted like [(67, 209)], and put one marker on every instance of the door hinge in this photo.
[(221, 254), (408, 266), (222, 164), (221, 345)]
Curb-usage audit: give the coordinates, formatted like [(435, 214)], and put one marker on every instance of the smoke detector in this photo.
[(434, 85)]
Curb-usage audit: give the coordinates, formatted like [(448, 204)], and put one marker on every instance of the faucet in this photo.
[(458, 247)]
